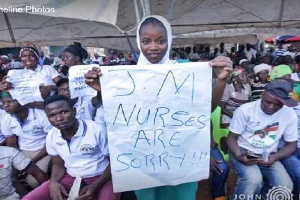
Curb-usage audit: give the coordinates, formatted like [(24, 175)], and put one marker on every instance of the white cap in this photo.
[(243, 60)]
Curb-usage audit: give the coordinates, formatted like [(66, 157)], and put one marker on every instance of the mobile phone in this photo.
[(253, 156)]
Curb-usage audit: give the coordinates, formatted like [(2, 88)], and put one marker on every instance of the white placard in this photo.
[(25, 86), (158, 120), (77, 84)]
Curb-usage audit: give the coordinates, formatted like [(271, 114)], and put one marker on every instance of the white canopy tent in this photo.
[(102, 23)]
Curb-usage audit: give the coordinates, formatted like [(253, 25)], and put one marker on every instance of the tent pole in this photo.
[(130, 45), (137, 13), (281, 13), (147, 8), (9, 28)]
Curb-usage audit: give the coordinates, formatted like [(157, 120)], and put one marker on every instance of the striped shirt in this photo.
[(10, 157), (233, 99), (257, 88), (279, 52)]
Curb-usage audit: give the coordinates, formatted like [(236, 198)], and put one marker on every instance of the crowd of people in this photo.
[(43, 143)]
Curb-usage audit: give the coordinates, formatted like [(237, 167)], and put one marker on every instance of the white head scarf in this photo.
[(262, 67), (142, 59)]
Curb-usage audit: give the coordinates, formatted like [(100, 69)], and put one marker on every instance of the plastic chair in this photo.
[(218, 132)]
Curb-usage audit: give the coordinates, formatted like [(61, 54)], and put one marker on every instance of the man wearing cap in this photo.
[(255, 131)]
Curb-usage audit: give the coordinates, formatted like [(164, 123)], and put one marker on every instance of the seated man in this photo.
[(85, 106), (78, 148), (292, 163), (26, 129), (255, 131), (11, 157)]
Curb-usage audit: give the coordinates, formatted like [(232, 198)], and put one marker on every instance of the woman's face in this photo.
[(153, 42), (70, 59), (241, 78), (29, 59), (263, 75)]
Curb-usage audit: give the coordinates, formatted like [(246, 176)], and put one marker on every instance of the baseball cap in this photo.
[(281, 89)]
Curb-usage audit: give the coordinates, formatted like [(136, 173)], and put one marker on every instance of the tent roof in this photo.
[(103, 22)]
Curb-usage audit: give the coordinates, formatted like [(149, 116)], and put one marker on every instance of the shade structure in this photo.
[(280, 39), (103, 23), (293, 39)]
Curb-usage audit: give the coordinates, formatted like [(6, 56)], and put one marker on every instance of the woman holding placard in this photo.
[(74, 55), (154, 38), (45, 76)]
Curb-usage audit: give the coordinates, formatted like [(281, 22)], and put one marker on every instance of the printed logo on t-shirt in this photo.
[(264, 137), (13, 127), (60, 143), (37, 129), (1, 166), (87, 149)]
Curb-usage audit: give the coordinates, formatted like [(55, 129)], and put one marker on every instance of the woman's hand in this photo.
[(92, 78), (45, 91), (5, 85)]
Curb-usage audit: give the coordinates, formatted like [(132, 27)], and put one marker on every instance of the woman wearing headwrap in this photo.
[(281, 71), (74, 55), (261, 72), (46, 76), (236, 93), (154, 39)]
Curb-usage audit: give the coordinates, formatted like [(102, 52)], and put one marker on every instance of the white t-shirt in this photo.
[(297, 110), (260, 132), (10, 157), (44, 74), (31, 133), (2, 114), (250, 54), (99, 60), (100, 115), (85, 108), (295, 77), (222, 54), (86, 155)]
